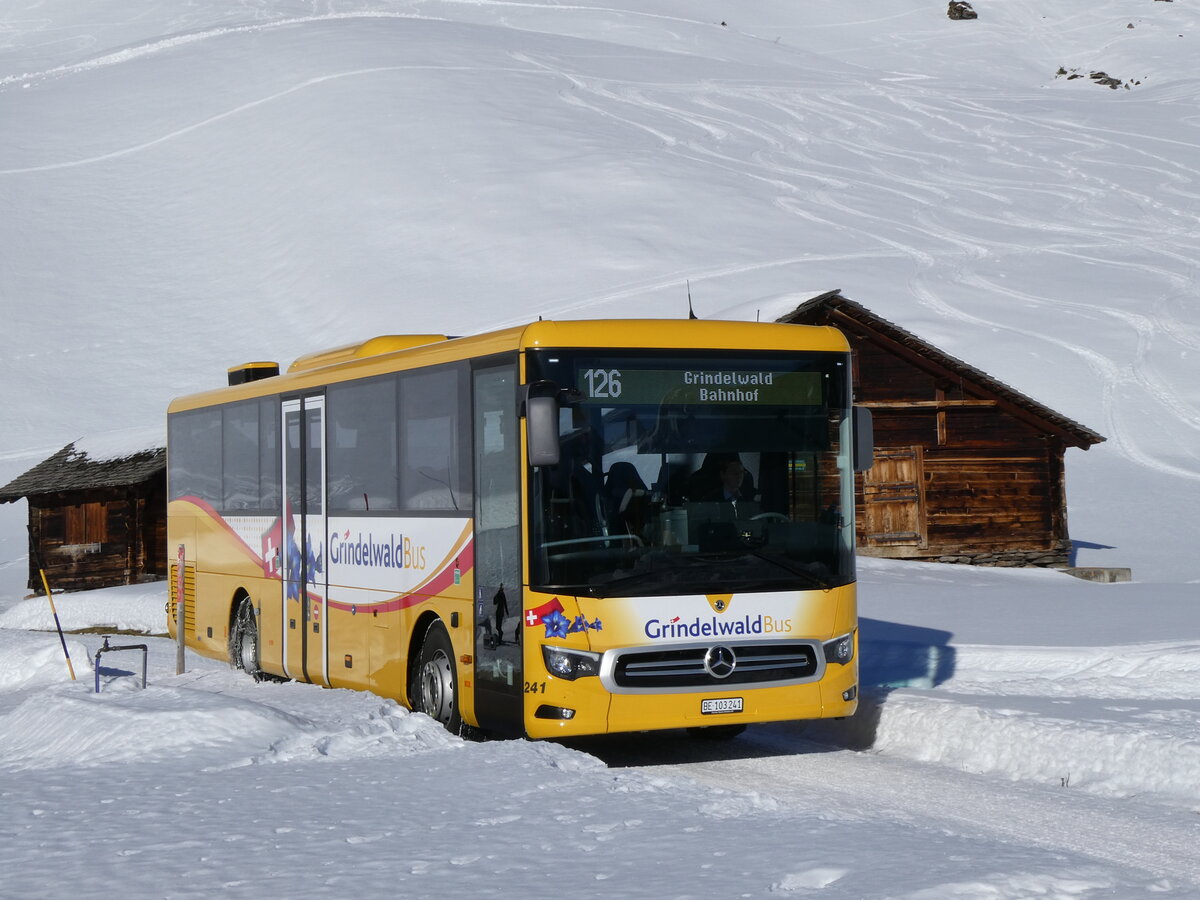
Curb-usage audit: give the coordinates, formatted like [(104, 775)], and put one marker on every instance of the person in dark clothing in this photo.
[(722, 478), (500, 601)]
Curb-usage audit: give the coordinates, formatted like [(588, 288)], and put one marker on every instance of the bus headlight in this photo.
[(570, 664), (840, 649)]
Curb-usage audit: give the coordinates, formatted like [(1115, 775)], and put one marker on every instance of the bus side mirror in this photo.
[(541, 423), (864, 439)]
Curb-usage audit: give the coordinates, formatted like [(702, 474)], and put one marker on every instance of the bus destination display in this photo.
[(699, 386)]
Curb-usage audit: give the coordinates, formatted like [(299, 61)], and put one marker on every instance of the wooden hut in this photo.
[(967, 469), (95, 522)]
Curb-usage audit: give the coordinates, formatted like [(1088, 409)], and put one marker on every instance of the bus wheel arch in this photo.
[(420, 629), (433, 675)]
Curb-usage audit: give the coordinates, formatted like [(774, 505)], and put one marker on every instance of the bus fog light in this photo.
[(570, 664), (554, 712), (840, 650), (850, 694)]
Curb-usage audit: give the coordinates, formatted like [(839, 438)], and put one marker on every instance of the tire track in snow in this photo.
[(1142, 838)]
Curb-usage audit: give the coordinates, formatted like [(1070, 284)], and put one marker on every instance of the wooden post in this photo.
[(179, 611), (942, 438)]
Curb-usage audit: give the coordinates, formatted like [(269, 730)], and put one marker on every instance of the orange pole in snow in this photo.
[(49, 596)]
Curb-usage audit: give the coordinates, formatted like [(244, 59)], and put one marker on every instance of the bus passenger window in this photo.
[(430, 472), (362, 445)]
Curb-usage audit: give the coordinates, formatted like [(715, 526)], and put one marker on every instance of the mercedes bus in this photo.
[(566, 528)]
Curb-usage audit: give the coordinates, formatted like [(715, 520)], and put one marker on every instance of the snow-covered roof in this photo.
[(111, 459)]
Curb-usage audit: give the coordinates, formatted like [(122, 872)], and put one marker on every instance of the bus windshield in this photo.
[(694, 473)]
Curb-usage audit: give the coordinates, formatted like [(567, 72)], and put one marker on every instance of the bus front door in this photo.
[(305, 640), (498, 595)]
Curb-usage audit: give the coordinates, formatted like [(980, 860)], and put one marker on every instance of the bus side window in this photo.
[(239, 452), (362, 445), (194, 460), (431, 472)]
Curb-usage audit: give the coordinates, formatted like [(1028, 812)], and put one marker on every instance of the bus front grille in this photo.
[(692, 667)]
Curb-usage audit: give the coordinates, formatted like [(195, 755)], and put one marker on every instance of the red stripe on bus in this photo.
[(205, 507)]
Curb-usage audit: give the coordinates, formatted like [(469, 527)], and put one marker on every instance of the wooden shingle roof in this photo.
[(853, 318), (72, 470)]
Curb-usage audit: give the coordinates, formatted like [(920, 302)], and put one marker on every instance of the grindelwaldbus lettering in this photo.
[(656, 629), (392, 551)]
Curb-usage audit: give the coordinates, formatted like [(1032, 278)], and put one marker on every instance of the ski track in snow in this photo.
[(811, 192), (237, 110), (709, 125), (152, 48)]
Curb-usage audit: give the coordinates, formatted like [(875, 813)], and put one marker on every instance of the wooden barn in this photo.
[(967, 469), (96, 522)]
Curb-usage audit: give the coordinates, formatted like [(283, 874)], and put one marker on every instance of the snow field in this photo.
[(192, 186)]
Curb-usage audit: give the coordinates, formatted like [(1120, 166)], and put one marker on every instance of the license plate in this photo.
[(718, 707)]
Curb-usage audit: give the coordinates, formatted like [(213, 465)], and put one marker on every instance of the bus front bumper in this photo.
[(586, 708)]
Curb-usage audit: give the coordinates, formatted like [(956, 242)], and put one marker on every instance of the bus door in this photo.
[(498, 595), (305, 640)]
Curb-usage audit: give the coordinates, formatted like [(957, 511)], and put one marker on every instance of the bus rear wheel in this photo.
[(243, 642), (436, 683)]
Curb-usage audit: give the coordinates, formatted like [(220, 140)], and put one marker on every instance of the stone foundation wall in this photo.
[(1057, 557)]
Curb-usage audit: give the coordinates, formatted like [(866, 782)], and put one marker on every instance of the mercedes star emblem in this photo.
[(719, 662)]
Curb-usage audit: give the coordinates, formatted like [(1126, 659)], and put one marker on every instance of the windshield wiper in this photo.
[(794, 568), (675, 575)]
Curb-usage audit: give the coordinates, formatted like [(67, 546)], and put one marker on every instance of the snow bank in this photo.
[(212, 709), (1112, 749), (81, 728), (1115, 721), (28, 660), (136, 608)]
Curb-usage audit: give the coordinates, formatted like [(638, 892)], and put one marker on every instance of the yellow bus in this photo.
[(566, 528)]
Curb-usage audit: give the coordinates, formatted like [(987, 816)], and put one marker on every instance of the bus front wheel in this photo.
[(243, 644), (436, 689)]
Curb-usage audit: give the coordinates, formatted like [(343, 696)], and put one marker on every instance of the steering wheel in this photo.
[(770, 517)]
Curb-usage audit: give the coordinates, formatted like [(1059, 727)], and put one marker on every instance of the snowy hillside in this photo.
[(192, 187), (189, 186)]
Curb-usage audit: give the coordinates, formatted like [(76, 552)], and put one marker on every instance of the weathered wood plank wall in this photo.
[(99, 538)]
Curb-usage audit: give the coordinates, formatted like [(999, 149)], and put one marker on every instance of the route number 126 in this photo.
[(603, 383)]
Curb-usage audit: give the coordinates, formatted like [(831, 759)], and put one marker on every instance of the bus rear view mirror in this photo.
[(541, 423), (864, 439)]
